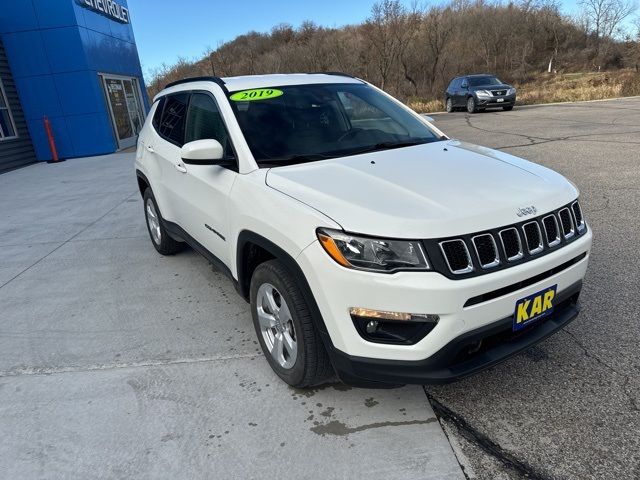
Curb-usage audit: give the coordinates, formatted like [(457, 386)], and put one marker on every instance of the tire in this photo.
[(160, 238), (471, 105), (311, 365), (448, 105), (508, 109)]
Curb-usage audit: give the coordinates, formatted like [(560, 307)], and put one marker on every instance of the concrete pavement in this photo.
[(120, 363)]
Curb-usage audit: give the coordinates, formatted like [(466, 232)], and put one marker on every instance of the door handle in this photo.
[(180, 168), (150, 149)]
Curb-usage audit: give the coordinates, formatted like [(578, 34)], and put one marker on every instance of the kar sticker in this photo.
[(256, 94)]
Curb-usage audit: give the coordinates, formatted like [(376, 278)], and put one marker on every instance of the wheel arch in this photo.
[(246, 264), (143, 182)]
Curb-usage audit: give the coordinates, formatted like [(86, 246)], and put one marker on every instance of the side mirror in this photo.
[(202, 152)]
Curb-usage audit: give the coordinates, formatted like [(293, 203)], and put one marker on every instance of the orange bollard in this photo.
[(52, 142)]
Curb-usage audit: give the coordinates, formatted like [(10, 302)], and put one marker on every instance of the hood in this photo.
[(433, 190)]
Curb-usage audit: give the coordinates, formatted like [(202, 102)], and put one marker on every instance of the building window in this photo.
[(7, 127)]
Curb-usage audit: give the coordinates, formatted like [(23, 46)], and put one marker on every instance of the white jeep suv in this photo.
[(369, 244)]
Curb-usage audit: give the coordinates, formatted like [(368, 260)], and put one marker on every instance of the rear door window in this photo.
[(173, 118)]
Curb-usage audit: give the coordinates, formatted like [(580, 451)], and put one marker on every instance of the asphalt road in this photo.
[(569, 407)]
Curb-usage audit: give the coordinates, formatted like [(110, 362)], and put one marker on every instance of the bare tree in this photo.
[(438, 25), (384, 31), (606, 16)]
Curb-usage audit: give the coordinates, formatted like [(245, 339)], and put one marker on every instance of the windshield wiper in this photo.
[(389, 146), (293, 159)]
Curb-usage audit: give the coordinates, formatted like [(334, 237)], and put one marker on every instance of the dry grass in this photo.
[(570, 87), (426, 106)]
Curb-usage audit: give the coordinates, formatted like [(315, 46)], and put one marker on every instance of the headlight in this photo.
[(511, 91), (483, 93), (375, 254)]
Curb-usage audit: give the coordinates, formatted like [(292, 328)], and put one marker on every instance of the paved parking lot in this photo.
[(117, 362), (120, 363), (569, 408)]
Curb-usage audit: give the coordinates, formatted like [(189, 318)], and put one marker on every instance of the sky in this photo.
[(168, 29)]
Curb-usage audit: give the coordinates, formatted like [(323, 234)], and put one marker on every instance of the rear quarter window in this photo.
[(158, 114)]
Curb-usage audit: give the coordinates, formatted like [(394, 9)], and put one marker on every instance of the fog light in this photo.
[(372, 326), (380, 326)]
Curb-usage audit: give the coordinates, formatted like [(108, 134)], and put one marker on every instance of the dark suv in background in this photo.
[(478, 92)]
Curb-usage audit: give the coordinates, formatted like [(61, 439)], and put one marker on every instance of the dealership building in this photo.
[(70, 80)]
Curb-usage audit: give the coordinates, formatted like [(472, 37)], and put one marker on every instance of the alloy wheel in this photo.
[(153, 221), (471, 105), (276, 326)]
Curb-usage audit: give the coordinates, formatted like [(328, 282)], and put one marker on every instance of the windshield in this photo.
[(303, 123), (481, 81)]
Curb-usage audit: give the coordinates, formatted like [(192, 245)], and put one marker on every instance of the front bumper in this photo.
[(470, 353), (337, 289), (490, 102)]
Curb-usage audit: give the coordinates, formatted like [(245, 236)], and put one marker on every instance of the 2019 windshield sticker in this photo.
[(256, 94)]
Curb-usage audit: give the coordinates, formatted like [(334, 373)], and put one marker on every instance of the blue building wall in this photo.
[(56, 48)]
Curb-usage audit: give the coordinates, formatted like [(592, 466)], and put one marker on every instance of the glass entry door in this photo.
[(125, 106)]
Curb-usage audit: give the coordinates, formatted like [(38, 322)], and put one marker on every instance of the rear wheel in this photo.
[(285, 329), (449, 105), (160, 238), (471, 105)]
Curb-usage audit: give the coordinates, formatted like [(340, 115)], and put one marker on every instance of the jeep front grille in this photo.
[(491, 250), (486, 250), (457, 256)]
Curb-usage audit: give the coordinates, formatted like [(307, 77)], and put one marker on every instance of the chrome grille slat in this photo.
[(533, 237), (566, 221), (577, 216), (457, 256), (486, 250), (551, 230), (508, 237)]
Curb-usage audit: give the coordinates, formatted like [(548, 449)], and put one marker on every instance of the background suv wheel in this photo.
[(161, 240), (448, 105), (471, 105), (285, 329)]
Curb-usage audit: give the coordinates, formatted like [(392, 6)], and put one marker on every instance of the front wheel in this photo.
[(471, 105), (283, 323), (449, 105)]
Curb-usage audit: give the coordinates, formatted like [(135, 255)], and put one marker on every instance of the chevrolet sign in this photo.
[(109, 8)]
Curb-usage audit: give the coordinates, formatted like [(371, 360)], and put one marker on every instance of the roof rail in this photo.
[(217, 80), (338, 74)]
